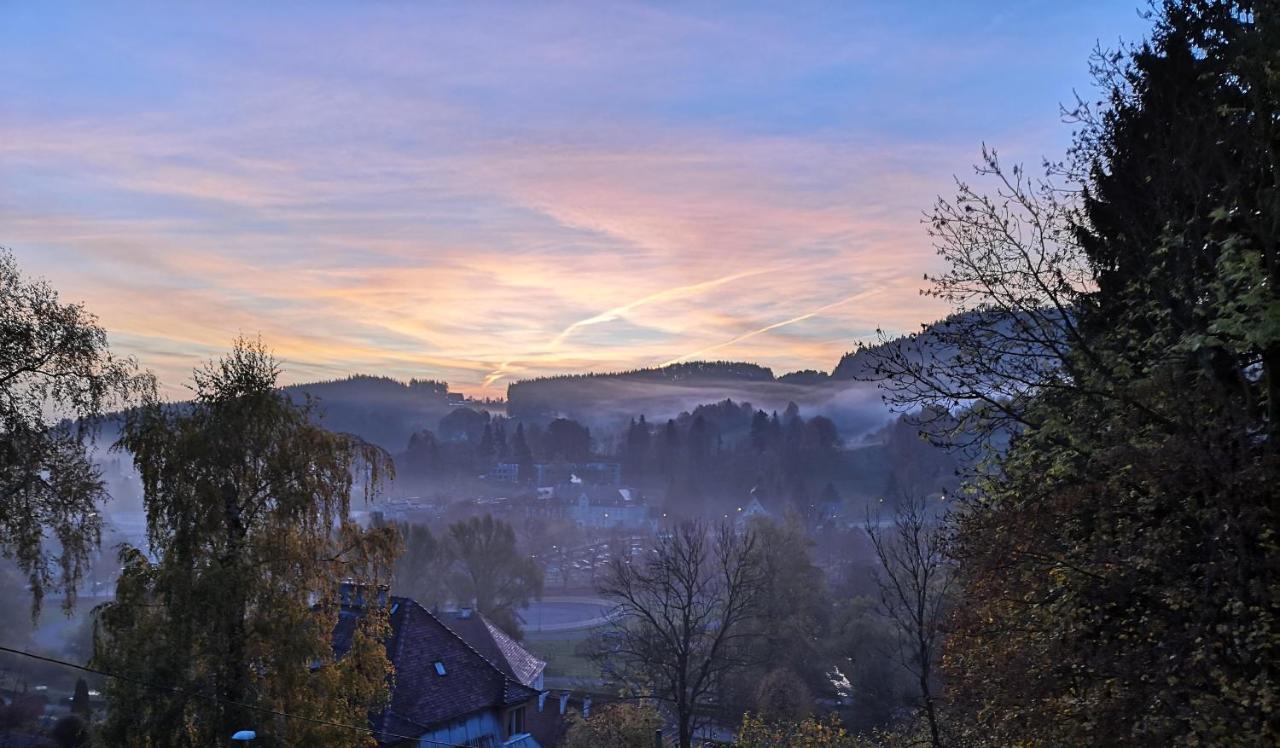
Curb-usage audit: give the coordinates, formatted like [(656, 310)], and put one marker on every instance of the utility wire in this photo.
[(211, 697)]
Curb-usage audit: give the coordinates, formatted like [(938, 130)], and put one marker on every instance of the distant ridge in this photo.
[(689, 371), (388, 411), (380, 409)]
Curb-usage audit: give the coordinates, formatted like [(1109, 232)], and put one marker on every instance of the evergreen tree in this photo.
[(486, 450), (421, 459), (760, 431), (80, 700), (522, 454), (699, 444), (567, 440), (636, 452), (1118, 563), (671, 449), (501, 449)]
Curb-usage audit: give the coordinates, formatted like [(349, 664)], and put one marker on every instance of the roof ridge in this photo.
[(495, 630), (465, 643)]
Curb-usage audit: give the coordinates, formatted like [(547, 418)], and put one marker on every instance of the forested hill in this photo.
[(614, 398), (387, 411), (659, 391), (383, 410), (931, 340), (689, 371)]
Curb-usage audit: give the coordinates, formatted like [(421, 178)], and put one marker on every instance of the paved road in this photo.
[(560, 613)]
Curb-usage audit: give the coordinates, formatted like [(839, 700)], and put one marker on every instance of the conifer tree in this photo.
[(1121, 334)]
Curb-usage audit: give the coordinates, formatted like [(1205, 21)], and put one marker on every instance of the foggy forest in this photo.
[(760, 375)]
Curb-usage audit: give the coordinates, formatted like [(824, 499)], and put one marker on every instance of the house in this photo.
[(590, 506), (550, 473), (607, 507), (508, 472), (446, 691), (496, 646), (752, 508)]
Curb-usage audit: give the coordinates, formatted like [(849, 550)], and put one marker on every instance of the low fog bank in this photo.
[(610, 403)]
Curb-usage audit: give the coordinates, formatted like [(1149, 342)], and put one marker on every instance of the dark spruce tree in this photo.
[(1118, 561)]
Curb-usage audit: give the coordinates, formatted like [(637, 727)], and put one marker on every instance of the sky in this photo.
[(486, 192)]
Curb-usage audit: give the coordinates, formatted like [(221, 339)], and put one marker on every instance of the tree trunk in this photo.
[(926, 695), (685, 727), (234, 675)]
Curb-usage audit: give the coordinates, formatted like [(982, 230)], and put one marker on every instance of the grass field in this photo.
[(563, 660)]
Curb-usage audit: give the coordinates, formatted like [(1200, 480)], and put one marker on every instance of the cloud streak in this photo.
[(487, 193), (617, 312), (769, 328)]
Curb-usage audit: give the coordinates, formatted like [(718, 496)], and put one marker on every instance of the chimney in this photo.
[(586, 707), (564, 701), (542, 699)]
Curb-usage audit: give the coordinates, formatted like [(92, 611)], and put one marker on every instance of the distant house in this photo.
[(446, 690), (751, 509), (613, 507), (590, 506), (551, 473), (508, 472)]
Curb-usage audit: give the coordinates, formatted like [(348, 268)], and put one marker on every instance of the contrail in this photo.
[(671, 293), (774, 326), (611, 314), (498, 373)]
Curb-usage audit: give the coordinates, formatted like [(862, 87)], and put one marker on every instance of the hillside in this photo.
[(387, 411), (382, 410)]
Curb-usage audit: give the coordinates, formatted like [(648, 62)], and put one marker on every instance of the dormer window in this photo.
[(439, 667)]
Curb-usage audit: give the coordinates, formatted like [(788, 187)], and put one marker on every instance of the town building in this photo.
[(596, 473), (496, 646), (608, 508), (752, 508), (447, 689)]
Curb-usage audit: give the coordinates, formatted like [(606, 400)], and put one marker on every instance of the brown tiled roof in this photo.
[(423, 699), (497, 647)]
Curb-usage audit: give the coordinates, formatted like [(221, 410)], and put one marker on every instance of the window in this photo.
[(515, 721), (439, 667)]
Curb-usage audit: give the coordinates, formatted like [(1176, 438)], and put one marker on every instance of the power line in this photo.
[(232, 702)]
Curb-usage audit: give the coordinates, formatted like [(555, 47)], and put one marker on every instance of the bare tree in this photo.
[(915, 583), (1016, 277), (679, 630)]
